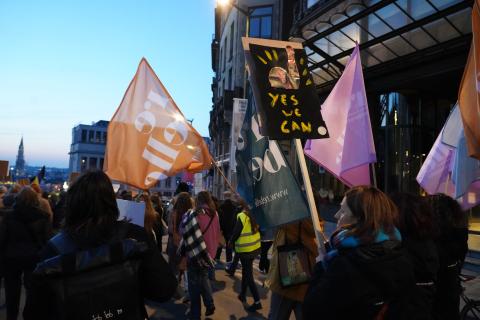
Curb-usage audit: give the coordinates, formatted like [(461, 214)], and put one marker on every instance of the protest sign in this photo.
[(131, 211), (287, 104)]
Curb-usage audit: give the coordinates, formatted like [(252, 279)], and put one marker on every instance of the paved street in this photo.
[(225, 294)]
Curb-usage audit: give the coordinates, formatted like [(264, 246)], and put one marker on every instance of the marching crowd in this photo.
[(391, 257)]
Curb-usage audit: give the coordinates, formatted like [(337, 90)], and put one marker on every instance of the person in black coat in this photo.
[(227, 213), (91, 222), (452, 246), (416, 224), (23, 233), (367, 274)]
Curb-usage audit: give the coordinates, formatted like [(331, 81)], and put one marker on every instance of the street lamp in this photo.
[(224, 3)]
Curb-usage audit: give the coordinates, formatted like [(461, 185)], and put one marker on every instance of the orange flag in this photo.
[(469, 96), (148, 136)]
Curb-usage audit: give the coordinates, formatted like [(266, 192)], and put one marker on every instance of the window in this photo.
[(232, 35), (84, 136), (230, 83), (92, 163), (224, 53), (91, 135), (104, 137), (98, 136), (311, 3), (220, 59), (261, 22), (101, 163)]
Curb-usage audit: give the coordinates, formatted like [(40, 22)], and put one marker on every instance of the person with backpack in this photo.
[(200, 238), (246, 237), (367, 275), (23, 233), (97, 267)]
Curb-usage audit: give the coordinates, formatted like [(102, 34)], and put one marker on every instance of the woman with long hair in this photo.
[(152, 221), (91, 222), (182, 204), (246, 237), (23, 233), (367, 274)]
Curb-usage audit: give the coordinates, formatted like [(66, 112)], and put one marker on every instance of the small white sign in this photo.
[(132, 211)]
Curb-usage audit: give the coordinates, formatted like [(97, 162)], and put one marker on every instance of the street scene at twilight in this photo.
[(240, 159)]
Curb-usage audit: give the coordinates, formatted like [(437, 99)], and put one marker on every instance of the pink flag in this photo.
[(350, 148), (448, 169)]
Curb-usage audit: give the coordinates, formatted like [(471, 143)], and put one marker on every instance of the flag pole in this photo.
[(311, 201), (374, 174), (223, 175)]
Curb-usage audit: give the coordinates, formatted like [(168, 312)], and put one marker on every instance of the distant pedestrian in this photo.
[(266, 241), (452, 246), (246, 238), (23, 233), (44, 204), (59, 212), (177, 263), (201, 234), (152, 222), (227, 213)]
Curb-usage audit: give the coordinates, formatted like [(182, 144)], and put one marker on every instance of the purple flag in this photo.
[(448, 169), (350, 148)]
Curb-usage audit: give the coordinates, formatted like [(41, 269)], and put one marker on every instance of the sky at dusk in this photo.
[(63, 63)]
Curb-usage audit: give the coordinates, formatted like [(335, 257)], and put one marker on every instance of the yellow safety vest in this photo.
[(248, 241)]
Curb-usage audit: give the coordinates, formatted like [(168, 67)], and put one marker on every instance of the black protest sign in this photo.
[(284, 92)]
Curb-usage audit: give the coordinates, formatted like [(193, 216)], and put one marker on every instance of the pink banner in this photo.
[(350, 148)]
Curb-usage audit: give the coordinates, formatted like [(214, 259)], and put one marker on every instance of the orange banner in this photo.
[(149, 139), (469, 96)]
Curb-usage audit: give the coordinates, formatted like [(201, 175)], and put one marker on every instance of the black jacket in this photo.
[(357, 281), (23, 233), (452, 248), (157, 282), (424, 257), (227, 213)]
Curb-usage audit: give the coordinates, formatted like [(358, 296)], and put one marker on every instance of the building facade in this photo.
[(87, 150), (20, 162), (413, 54), (265, 19)]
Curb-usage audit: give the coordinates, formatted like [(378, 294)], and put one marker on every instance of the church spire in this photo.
[(20, 163)]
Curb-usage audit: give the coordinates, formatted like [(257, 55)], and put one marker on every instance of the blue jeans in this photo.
[(281, 308), (198, 286)]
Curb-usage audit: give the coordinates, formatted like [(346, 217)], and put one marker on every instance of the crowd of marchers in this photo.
[(391, 257)]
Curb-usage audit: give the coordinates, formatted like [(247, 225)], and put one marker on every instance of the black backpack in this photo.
[(95, 284)]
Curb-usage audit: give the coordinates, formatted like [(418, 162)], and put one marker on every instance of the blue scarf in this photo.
[(343, 240)]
